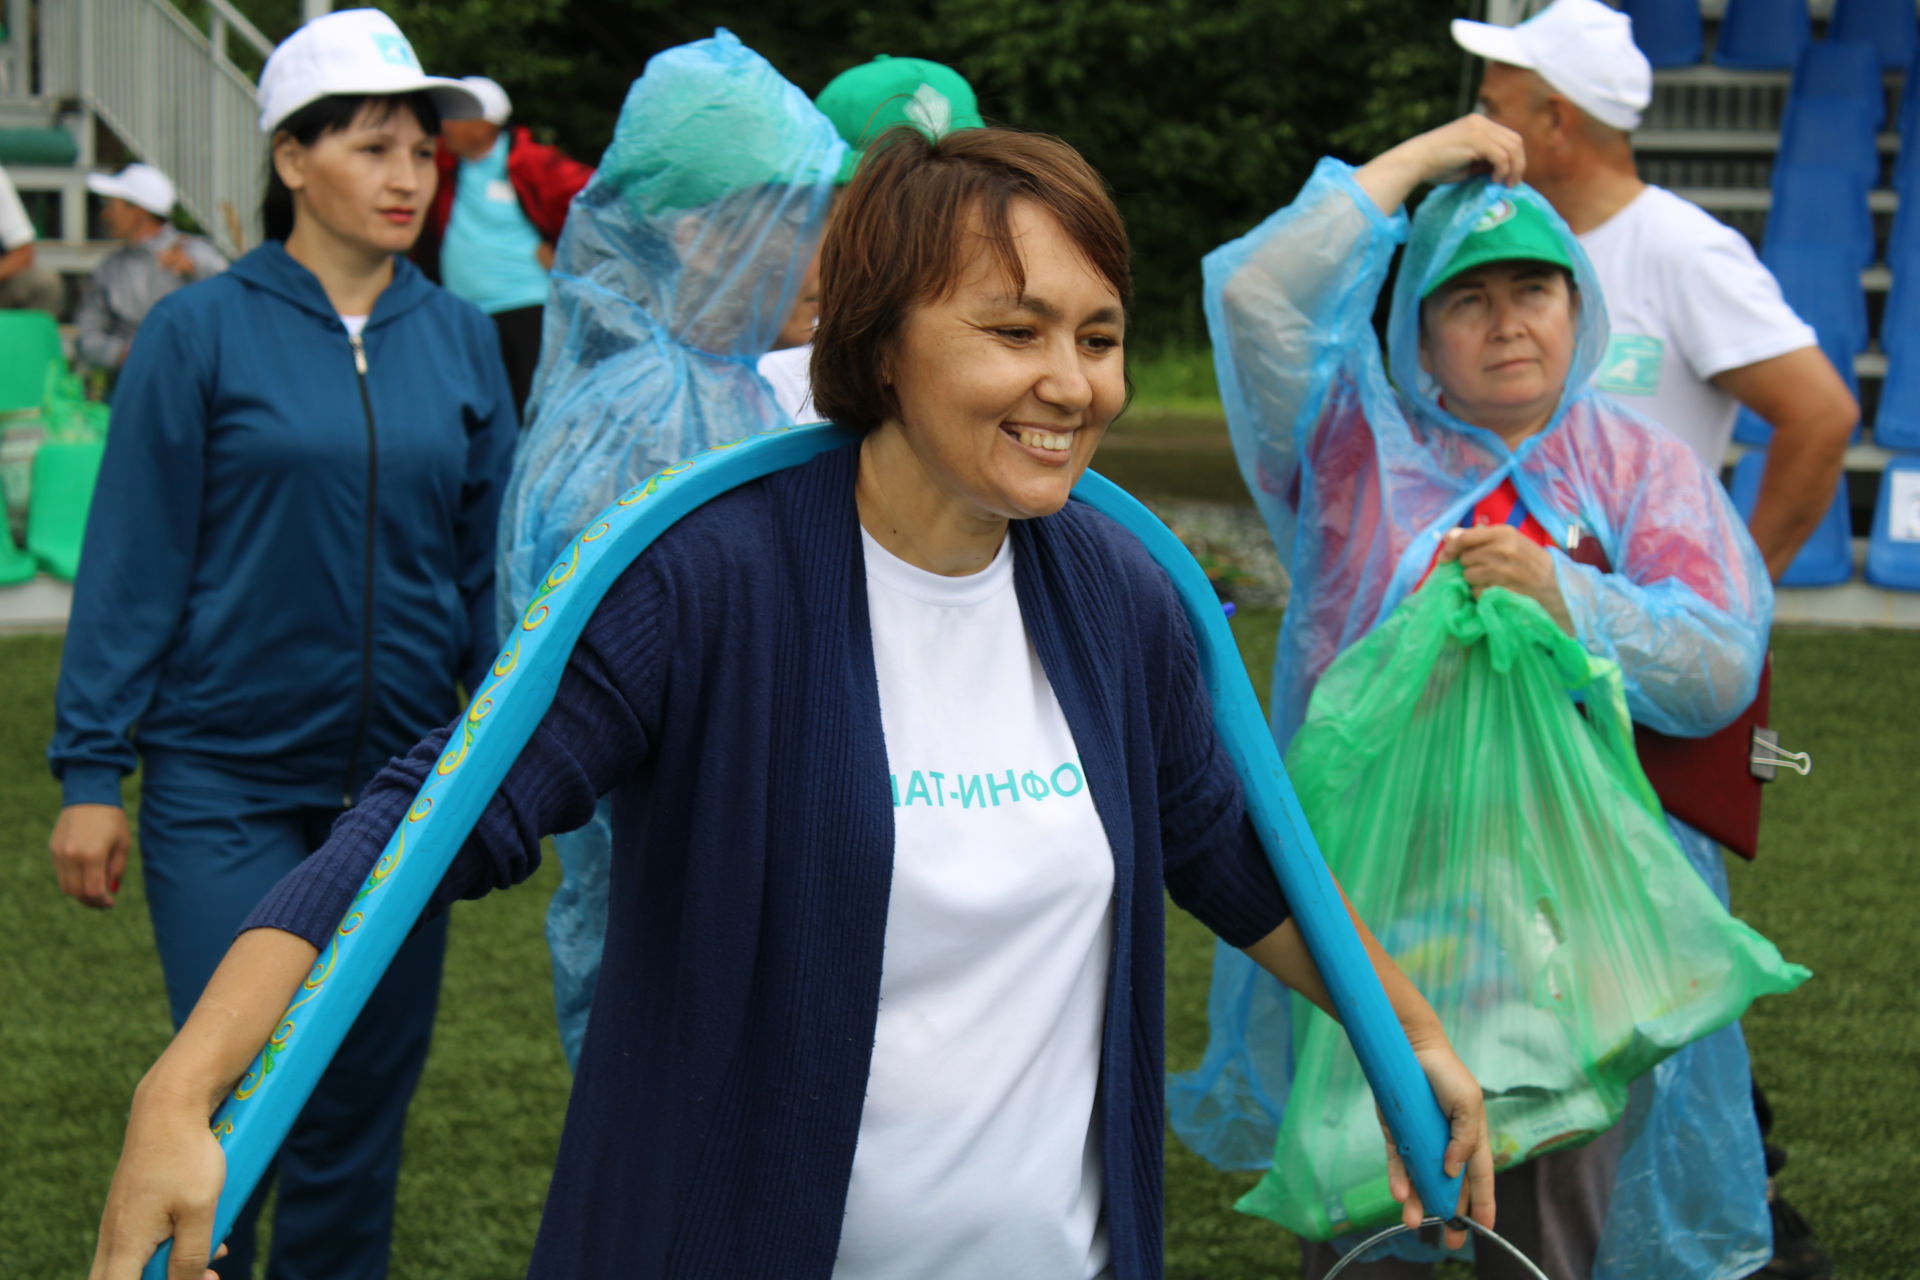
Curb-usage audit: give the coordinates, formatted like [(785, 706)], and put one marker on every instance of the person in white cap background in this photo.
[(494, 222), (1699, 323), (287, 575), (24, 283), (154, 259)]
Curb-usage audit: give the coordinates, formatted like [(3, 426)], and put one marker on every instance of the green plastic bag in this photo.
[(1469, 770)]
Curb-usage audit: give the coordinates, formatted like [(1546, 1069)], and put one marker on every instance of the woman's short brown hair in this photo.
[(895, 241)]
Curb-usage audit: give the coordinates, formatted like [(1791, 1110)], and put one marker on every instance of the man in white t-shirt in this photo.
[(24, 284), (1699, 325)]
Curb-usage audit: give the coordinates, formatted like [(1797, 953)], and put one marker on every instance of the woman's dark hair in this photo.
[(897, 239), (327, 115)]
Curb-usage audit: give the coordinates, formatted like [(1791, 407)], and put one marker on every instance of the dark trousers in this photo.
[(520, 348), (207, 856)]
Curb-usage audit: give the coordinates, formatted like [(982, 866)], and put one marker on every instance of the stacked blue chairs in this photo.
[(1821, 282), (1762, 35), (1829, 133), (1820, 206), (1893, 552), (1842, 70), (1906, 161), (1885, 25), (1896, 423), (1826, 558), (1667, 31), (1910, 103)]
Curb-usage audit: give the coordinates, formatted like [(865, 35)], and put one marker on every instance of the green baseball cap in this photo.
[(866, 101), (1510, 230)]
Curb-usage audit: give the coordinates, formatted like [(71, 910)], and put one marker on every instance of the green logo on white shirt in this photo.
[(1632, 365)]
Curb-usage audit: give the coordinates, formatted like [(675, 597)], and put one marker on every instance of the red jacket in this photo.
[(545, 179)]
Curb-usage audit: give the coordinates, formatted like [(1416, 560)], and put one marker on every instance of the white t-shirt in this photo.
[(979, 1154), (356, 325), (16, 228), (786, 370), (1687, 299)]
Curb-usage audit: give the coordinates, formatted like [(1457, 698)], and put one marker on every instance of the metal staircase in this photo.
[(167, 88)]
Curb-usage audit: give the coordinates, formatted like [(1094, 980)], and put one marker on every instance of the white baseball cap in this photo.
[(354, 51), (1582, 48), (140, 184), (496, 108)]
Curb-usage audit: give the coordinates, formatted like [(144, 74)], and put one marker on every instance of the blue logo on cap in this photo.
[(396, 50)]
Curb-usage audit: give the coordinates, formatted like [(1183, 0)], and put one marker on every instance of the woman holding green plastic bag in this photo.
[(1476, 448)]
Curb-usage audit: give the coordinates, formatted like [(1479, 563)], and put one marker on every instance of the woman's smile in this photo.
[(1049, 446)]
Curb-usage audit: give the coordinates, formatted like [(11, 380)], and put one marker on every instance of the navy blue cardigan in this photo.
[(725, 693)]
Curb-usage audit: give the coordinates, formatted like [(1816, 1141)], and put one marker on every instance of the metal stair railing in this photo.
[(167, 87)]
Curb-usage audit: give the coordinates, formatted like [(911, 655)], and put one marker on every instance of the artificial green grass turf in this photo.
[(1837, 886)]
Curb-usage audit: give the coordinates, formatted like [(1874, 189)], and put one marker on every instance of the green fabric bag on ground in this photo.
[(1470, 773)]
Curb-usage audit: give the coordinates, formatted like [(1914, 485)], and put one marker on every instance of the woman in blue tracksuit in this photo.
[(288, 572)]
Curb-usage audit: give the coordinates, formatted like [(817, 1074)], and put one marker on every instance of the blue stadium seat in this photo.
[(1846, 70), (1909, 101), (1667, 31), (1762, 35), (1886, 26), (1893, 552), (1819, 206), (1896, 423), (1826, 558), (1906, 167), (1822, 284), (1830, 133)]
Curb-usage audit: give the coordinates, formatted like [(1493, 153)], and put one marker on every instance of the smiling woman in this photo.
[(905, 751), (974, 327)]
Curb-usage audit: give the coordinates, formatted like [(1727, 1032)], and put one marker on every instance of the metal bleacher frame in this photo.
[(1710, 135)]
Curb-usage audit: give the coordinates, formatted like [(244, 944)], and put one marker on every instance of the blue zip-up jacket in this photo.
[(289, 558)]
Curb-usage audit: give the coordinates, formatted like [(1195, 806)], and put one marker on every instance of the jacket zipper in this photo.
[(366, 611)]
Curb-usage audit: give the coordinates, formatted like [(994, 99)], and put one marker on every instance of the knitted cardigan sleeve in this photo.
[(597, 731), (1214, 865)]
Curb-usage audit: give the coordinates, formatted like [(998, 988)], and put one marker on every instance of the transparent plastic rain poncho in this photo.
[(1358, 470), (678, 264)]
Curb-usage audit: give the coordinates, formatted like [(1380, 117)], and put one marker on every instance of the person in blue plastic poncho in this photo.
[(678, 264), (1365, 470)]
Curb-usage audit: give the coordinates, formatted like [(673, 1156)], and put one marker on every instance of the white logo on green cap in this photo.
[(1500, 211), (931, 112)]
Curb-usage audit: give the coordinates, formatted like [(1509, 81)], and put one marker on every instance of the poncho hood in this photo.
[(1445, 218)]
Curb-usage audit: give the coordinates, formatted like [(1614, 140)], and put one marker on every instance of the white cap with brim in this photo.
[(496, 108), (353, 52), (139, 184), (1582, 48)]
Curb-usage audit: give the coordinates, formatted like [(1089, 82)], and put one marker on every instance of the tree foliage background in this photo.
[(1204, 115)]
